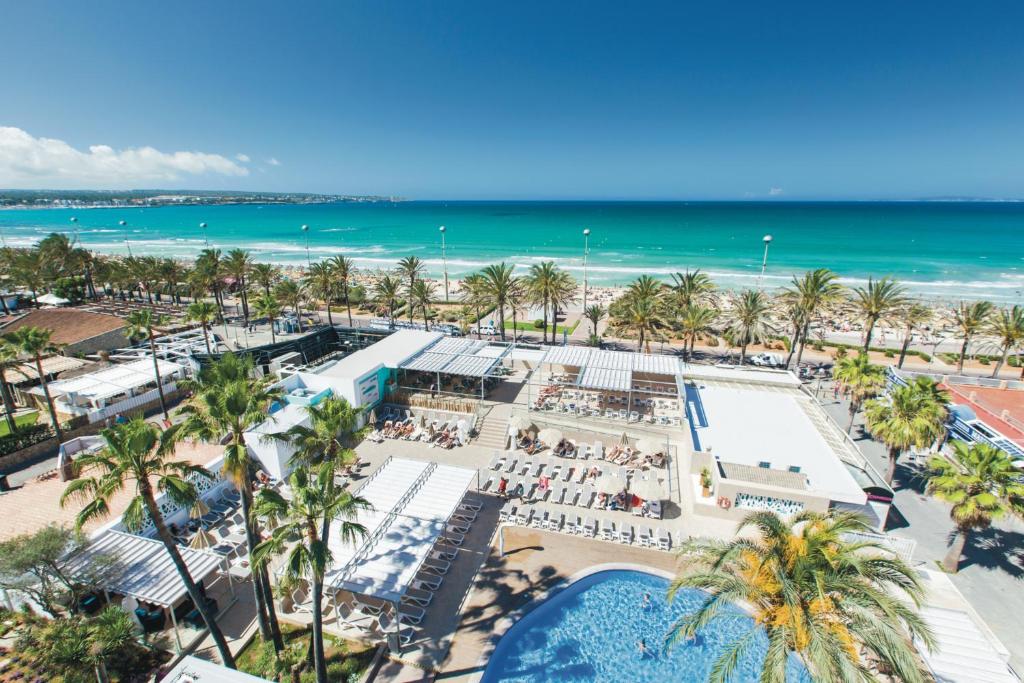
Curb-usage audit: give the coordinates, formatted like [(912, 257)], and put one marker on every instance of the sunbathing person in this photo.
[(602, 501), (502, 485)]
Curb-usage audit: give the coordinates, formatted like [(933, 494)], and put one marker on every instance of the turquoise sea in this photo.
[(947, 250)]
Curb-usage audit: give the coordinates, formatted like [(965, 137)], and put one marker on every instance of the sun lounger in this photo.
[(411, 614), (417, 596), (489, 483), (455, 539), (472, 503), (555, 521), (456, 527), (557, 494), (439, 567), (540, 521), (507, 510), (607, 530), (465, 515), (572, 495), (645, 537), (497, 461), (524, 515), (428, 581), (566, 473), (512, 465), (572, 524), (664, 539), (386, 626), (626, 534), (586, 496), (590, 527), (534, 469)]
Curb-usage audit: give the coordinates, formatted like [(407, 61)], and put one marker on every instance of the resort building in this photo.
[(78, 332)]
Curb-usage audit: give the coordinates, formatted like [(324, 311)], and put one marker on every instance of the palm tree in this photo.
[(750, 320), (314, 502), (34, 342), (266, 306), (474, 295), (265, 274), (694, 321), (292, 293), (411, 268), (344, 269), (643, 316), (238, 265), (815, 594), (1007, 326), (691, 287), (804, 300), (136, 453), (386, 292), (498, 283), (876, 302), (8, 357), (971, 319), (862, 379), (171, 272), (204, 313), (910, 415), (540, 283), (420, 296), (210, 265), (145, 325), (595, 313), (228, 399), (320, 281), (982, 485), (516, 304), (28, 269), (912, 317)]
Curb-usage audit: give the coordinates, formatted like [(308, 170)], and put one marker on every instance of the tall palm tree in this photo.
[(386, 292), (210, 264), (691, 287), (474, 295), (344, 269), (420, 296), (265, 275), (981, 484), (909, 416), (640, 316), (28, 270), (497, 283), (1007, 326), (562, 294), (646, 287), (970, 319), (238, 265), (877, 301), (145, 325), (320, 282), (540, 283), (815, 594), (136, 454), (8, 358), (804, 300), (750, 320), (862, 379), (595, 313), (229, 400), (266, 306), (695, 320), (204, 313), (313, 502), (293, 294), (34, 342), (411, 268), (912, 317), (517, 298)]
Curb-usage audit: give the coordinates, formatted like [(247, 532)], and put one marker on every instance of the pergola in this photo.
[(471, 358), (144, 570), (412, 501)]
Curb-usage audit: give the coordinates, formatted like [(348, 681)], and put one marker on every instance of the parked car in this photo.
[(769, 360)]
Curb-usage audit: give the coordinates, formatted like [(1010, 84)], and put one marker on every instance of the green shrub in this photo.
[(984, 360), (26, 436), (889, 353), (538, 324), (1013, 361)]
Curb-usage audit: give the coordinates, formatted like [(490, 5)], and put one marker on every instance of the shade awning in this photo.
[(605, 379)]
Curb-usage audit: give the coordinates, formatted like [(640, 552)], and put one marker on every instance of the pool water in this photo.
[(589, 632)]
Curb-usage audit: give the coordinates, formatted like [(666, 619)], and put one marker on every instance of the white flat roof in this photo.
[(194, 670), (740, 374), (144, 570), (391, 352), (412, 500), (962, 654), (748, 424), (115, 379)]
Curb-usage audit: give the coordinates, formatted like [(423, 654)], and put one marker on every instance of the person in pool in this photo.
[(646, 602), (641, 647)]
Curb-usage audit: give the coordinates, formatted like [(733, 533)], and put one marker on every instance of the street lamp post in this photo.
[(206, 237), (124, 224), (767, 239), (586, 252), (305, 232), (74, 226), (444, 260)]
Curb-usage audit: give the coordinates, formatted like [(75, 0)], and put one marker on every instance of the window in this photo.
[(764, 464), (794, 468)]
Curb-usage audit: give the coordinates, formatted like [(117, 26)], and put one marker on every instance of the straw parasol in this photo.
[(519, 423), (648, 489), (199, 509), (373, 417), (550, 436), (610, 485), (203, 540), (624, 439), (650, 446)]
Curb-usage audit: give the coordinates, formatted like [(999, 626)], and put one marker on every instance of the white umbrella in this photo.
[(648, 489), (550, 436), (129, 605), (519, 423), (610, 485), (650, 446)]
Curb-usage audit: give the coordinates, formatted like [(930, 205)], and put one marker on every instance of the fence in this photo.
[(130, 404), (901, 547)]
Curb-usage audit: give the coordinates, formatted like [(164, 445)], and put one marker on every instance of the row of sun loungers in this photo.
[(529, 516)]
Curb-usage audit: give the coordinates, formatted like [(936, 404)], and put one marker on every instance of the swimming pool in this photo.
[(590, 630)]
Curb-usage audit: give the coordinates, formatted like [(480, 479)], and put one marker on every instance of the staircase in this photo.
[(493, 427)]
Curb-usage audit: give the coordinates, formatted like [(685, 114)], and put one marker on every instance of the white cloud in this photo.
[(273, 162), (27, 161), (244, 158), (775, 192)]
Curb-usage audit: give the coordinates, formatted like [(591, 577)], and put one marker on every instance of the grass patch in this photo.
[(21, 420), (346, 661), (528, 326)]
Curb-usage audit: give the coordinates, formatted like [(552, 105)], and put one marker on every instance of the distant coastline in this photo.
[(114, 199)]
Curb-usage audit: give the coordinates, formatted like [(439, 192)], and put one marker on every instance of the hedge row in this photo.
[(25, 437)]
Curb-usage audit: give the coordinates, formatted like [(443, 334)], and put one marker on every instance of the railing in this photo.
[(101, 414), (901, 547)]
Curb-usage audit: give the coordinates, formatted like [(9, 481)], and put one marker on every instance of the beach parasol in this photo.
[(423, 420), (373, 417), (199, 509), (650, 446), (624, 439), (550, 436), (203, 540), (648, 489), (519, 423), (610, 485)]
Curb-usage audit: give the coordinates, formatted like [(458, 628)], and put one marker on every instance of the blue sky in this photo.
[(518, 100)]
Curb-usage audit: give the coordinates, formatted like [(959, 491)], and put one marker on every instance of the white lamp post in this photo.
[(586, 252), (127, 244), (206, 238), (444, 260), (305, 232), (74, 226), (767, 239)]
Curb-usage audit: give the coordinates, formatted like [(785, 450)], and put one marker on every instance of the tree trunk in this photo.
[(894, 456), (1002, 359), (3, 302), (501, 319), (963, 352), (268, 599), (318, 630), (159, 384), (101, 672), (348, 304), (298, 315), (330, 320), (903, 349), (854, 407), (515, 327), (867, 334), (544, 329), (426, 322), (251, 540), (5, 392), (412, 281), (794, 340), (206, 338), (227, 659), (49, 399), (951, 562)]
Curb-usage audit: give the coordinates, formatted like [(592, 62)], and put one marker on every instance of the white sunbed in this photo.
[(590, 527), (489, 483), (512, 465), (664, 539), (430, 582), (572, 524), (572, 495), (452, 538), (507, 510), (557, 494), (524, 515), (534, 469), (586, 496), (439, 567), (456, 527), (556, 521), (566, 473), (497, 461), (626, 534), (607, 530), (416, 596), (645, 537), (411, 614), (540, 521)]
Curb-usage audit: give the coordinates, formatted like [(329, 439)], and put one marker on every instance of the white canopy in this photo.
[(963, 654), (51, 299), (606, 379), (114, 380), (143, 569), (465, 357), (412, 502)]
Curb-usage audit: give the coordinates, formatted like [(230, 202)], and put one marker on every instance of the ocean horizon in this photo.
[(946, 250)]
